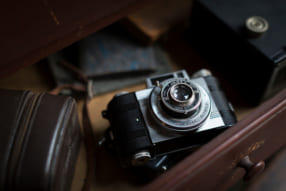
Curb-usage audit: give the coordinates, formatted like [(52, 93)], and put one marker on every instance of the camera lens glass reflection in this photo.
[(181, 92)]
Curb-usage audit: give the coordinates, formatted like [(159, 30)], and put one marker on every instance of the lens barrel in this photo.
[(182, 94), (180, 98), (179, 104)]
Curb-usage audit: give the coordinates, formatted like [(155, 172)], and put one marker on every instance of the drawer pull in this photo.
[(252, 169)]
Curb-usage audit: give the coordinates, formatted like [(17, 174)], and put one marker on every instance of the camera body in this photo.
[(174, 113)]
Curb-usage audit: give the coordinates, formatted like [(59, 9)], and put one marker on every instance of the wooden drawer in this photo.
[(216, 165)]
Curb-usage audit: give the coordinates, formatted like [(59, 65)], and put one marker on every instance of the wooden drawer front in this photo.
[(215, 165)]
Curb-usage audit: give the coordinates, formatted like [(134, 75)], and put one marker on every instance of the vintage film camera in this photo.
[(175, 113)]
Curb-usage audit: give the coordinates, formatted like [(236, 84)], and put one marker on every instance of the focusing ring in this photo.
[(177, 108), (187, 124)]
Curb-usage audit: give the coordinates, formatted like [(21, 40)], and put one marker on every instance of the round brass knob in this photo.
[(256, 26), (252, 169)]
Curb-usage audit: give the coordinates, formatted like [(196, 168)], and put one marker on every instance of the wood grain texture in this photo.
[(151, 22), (214, 165), (32, 30), (274, 176)]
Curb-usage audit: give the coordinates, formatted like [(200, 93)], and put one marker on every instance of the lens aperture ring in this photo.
[(186, 108), (199, 108)]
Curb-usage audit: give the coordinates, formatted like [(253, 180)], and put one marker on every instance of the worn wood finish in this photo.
[(151, 22), (215, 165), (32, 30), (111, 177), (274, 176)]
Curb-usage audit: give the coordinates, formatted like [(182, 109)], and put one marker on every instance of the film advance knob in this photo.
[(256, 26), (141, 158)]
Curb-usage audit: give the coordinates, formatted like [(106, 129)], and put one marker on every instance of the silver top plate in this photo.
[(158, 133)]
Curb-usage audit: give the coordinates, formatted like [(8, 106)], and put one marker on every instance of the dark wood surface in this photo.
[(32, 30), (215, 165), (151, 22), (258, 138), (274, 175)]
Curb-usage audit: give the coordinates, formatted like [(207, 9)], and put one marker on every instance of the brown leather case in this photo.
[(39, 141), (237, 152)]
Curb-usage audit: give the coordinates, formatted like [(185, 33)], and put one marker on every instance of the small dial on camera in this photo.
[(175, 113)]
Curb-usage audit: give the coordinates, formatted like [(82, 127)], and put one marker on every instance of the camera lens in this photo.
[(181, 93), (180, 104)]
